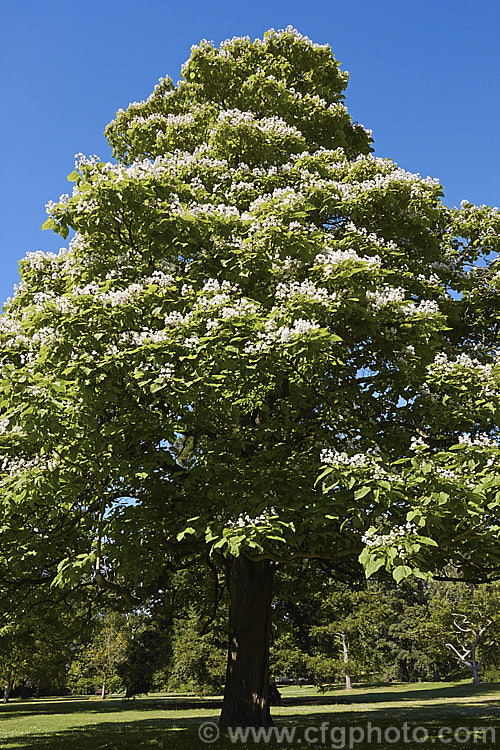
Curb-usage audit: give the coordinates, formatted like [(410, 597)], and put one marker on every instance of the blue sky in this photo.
[(424, 78)]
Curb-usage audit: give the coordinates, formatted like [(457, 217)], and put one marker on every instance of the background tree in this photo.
[(250, 295), (197, 663), (95, 666), (139, 661), (349, 625), (37, 646), (464, 619)]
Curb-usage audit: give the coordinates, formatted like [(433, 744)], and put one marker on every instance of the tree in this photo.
[(263, 344), (35, 649), (349, 624), (96, 664), (197, 662), (465, 619), (139, 662)]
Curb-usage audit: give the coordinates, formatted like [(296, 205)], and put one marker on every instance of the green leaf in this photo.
[(426, 540), (362, 492), (186, 532), (373, 565), (401, 572)]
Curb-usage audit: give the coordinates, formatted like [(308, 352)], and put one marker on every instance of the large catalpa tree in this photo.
[(262, 344)]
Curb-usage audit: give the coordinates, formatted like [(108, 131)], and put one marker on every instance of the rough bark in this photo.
[(246, 693)]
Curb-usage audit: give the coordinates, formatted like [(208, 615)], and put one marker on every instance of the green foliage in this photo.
[(96, 663), (253, 327), (198, 660), (140, 659)]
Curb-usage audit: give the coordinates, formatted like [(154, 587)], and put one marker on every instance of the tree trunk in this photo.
[(404, 674), (6, 690), (103, 689), (345, 649), (246, 693), (475, 674)]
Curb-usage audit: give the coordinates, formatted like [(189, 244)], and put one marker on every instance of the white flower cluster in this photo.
[(212, 324), (383, 297), (219, 297), (244, 519), (269, 125), (374, 539), (281, 335), (233, 40), (158, 277), (174, 319), (138, 338), (166, 371), (39, 259), (282, 197), (433, 279), (45, 336), (113, 297), (206, 209), (19, 465), (361, 461), (83, 161), (424, 307), (299, 327), (336, 458), (163, 165), (417, 443), (288, 291), (442, 364), (395, 173), (238, 308), (168, 121), (447, 474), (89, 290), (50, 205), (65, 305), (482, 440), (10, 326), (122, 296), (214, 285), (389, 295), (292, 31), (285, 266), (370, 236), (331, 258)]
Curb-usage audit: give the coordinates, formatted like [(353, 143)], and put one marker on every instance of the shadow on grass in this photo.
[(53, 706), (396, 695), (182, 734), (110, 705), (127, 735)]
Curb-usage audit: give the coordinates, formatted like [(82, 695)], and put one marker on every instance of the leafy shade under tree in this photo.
[(251, 300)]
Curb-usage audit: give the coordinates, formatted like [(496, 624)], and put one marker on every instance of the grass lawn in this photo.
[(172, 721)]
